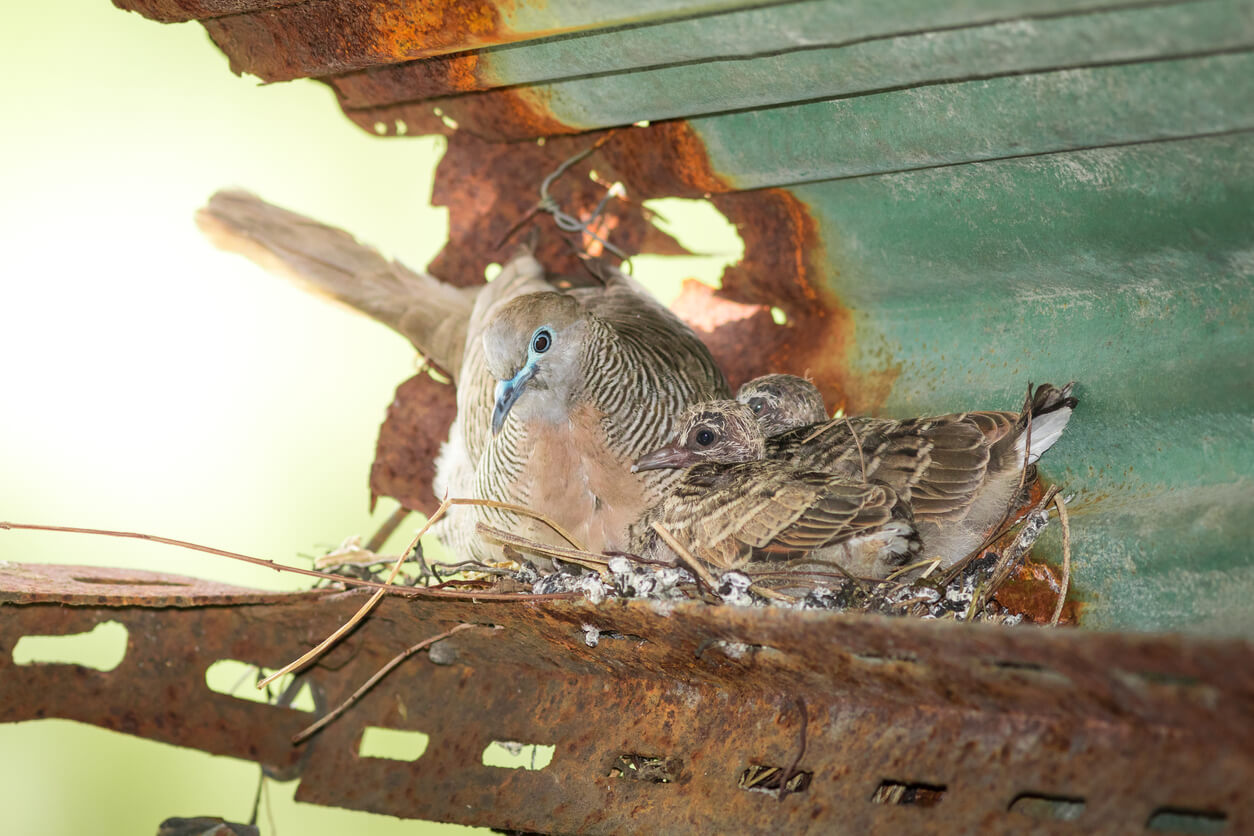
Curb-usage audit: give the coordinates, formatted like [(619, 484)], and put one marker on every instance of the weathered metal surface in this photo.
[(1130, 724), (418, 420), (323, 37), (868, 67), (712, 44)]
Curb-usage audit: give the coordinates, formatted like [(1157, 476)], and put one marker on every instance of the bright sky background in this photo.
[(151, 383)]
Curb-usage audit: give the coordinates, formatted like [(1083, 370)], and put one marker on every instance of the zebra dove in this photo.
[(557, 392), (959, 472), (782, 401), (736, 509)]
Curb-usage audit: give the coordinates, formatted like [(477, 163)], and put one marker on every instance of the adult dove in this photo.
[(558, 392)]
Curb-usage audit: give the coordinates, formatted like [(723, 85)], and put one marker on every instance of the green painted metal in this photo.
[(1128, 269), (1012, 116), (807, 73)]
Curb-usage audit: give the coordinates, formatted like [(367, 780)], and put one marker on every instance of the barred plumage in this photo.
[(733, 508), (958, 472), (637, 367)]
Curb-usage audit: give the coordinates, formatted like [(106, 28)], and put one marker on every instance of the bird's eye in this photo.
[(756, 404), (704, 437), (541, 341)]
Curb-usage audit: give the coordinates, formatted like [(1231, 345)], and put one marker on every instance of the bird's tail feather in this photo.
[(430, 313), (1050, 410)]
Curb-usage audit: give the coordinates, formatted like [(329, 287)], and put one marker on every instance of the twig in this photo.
[(588, 559), (931, 563), (801, 751), (827, 425), (389, 589), (1066, 558), (857, 441), (525, 511), (1033, 523), (330, 716), (692, 563), (767, 592), (363, 611), (387, 529)]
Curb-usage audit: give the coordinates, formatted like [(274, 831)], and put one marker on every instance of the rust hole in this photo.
[(392, 744), (1184, 820), (1049, 807), (768, 779), (508, 754), (647, 768), (102, 648), (233, 678), (902, 792)]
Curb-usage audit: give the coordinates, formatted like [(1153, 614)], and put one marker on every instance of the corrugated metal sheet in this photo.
[(992, 192)]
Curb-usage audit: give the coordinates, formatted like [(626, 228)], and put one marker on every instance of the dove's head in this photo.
[(783, 402), (533, 347), (723, 432)]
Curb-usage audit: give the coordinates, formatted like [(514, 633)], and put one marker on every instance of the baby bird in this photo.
[(782, 402), (959, 472), (735, 509)]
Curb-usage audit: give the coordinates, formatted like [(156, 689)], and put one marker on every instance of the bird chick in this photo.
[(782, 402), (735, 509), (959, 472)]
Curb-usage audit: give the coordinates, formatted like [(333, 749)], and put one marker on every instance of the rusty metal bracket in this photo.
[(671, 719)]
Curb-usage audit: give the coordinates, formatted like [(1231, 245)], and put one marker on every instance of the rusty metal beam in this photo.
[(969, 719)]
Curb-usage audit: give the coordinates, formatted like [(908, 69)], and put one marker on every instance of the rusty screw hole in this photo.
[(1056, 807), (900, 792), (767, 779), (646, 768), (1183, 820)]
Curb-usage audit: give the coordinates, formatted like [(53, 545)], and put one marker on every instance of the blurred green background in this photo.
[(151, 383)]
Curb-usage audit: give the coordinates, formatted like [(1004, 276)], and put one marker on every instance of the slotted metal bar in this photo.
[(1131, 724)]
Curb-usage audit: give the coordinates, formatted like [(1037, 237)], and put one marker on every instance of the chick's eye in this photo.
[(756, 404), (704, 437), (541, 342)]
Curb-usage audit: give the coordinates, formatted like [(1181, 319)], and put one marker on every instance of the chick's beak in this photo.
[(507, 393), (672, 455)]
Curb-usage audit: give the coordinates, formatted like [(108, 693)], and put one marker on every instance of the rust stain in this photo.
[(405, 30), (412, 81), (786, 265), (417, 423), (1033, 591), (488, 187), (315, 40), (989, 712)]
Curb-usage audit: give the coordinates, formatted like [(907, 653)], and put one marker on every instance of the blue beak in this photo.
[(507, 392)]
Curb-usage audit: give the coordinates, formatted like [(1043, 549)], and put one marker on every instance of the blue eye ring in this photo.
[(542, 341)]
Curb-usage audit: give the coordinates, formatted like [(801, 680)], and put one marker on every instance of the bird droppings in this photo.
[(965, 595)]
